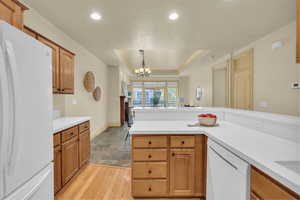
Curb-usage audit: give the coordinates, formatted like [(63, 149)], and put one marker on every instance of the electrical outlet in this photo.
[(296, 85)]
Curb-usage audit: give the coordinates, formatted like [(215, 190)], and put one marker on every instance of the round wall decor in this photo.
[(89, 81), (97, 93)]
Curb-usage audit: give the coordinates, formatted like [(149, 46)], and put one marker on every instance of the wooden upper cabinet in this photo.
[(182, 172), (66, 72), (30, 32), (55, 62), (11, 11), (298, 32)]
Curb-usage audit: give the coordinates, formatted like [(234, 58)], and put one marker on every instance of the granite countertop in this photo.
[(257, 148), (63, 123)]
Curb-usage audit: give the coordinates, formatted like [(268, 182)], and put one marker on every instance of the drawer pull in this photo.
[(149, 172), (149, 142), (182, 142), (150, 156), (173, 154), (86, 127), (150, 189)]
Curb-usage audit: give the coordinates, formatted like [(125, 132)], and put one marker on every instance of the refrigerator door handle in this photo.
[(4, 123), (13, 88)]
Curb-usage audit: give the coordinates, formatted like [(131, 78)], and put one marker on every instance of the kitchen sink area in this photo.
[(291, 165)]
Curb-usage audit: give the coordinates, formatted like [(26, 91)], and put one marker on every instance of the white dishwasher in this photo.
[(228, 177)]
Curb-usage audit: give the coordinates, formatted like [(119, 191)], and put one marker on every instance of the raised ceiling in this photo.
[(215, 26)]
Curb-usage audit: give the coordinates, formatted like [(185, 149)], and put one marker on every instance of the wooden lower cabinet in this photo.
[(264, 187), (150, 188), (70, 162), (168, 166), (57, 169), (84, 148), (71, 152), (182, 172)]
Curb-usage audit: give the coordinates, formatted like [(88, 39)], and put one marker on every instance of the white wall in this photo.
[(113, 96), (81, 103), (274, 70)]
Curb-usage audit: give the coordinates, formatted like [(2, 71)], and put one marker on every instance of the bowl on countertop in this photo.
[(207, 119)]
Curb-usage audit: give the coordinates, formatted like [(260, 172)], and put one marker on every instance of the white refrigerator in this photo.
[(26, 170)]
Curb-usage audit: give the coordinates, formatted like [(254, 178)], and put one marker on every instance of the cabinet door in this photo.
[(6, 13), (55, 63), (253, 196), (57, 169), (182, 172), (66, 72), (30, 32), (12, 12), (84, 147), (70, 164)]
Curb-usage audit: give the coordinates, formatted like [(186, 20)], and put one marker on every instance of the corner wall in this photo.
[(81, 103), (274, 71)]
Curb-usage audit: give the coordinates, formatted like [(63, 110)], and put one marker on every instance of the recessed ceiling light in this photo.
[(95, 16), (173, 16)]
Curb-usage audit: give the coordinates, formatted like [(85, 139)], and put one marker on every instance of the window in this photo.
[(155, 94)]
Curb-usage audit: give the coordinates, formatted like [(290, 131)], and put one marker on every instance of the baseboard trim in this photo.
[(99, 131), (114, 124)]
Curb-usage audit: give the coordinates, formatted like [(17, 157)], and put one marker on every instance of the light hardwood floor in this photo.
[(99, 182)]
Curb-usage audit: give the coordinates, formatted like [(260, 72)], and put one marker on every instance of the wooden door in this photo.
[(182, 172), (57, 169), (84, 148), (298, 32), (70, 163), (55, 62), (66, 72), (242, 81)]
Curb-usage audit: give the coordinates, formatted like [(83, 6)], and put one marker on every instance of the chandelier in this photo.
[(143, 71)]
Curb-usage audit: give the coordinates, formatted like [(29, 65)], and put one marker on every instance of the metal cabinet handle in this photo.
[(228, 162)]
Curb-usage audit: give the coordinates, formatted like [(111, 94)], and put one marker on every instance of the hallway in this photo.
[(110, 148)]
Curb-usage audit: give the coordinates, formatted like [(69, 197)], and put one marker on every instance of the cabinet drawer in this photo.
[(56, 140), (149, 154), (182, 141), (267, 188), (149, 141), (149, 170), (84, 126), (69, 133), (153, 188)]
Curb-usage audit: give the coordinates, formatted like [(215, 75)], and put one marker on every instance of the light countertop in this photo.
[(63, 123), (257, 148)]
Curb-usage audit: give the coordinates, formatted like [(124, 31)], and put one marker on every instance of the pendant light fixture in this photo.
[(143, 71)]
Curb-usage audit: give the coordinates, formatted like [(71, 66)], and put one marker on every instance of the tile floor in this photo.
[(110, 148)]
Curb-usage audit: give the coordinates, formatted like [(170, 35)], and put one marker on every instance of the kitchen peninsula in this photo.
[(254, 138)]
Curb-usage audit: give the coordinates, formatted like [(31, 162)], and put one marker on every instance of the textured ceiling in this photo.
[(128, 25)]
